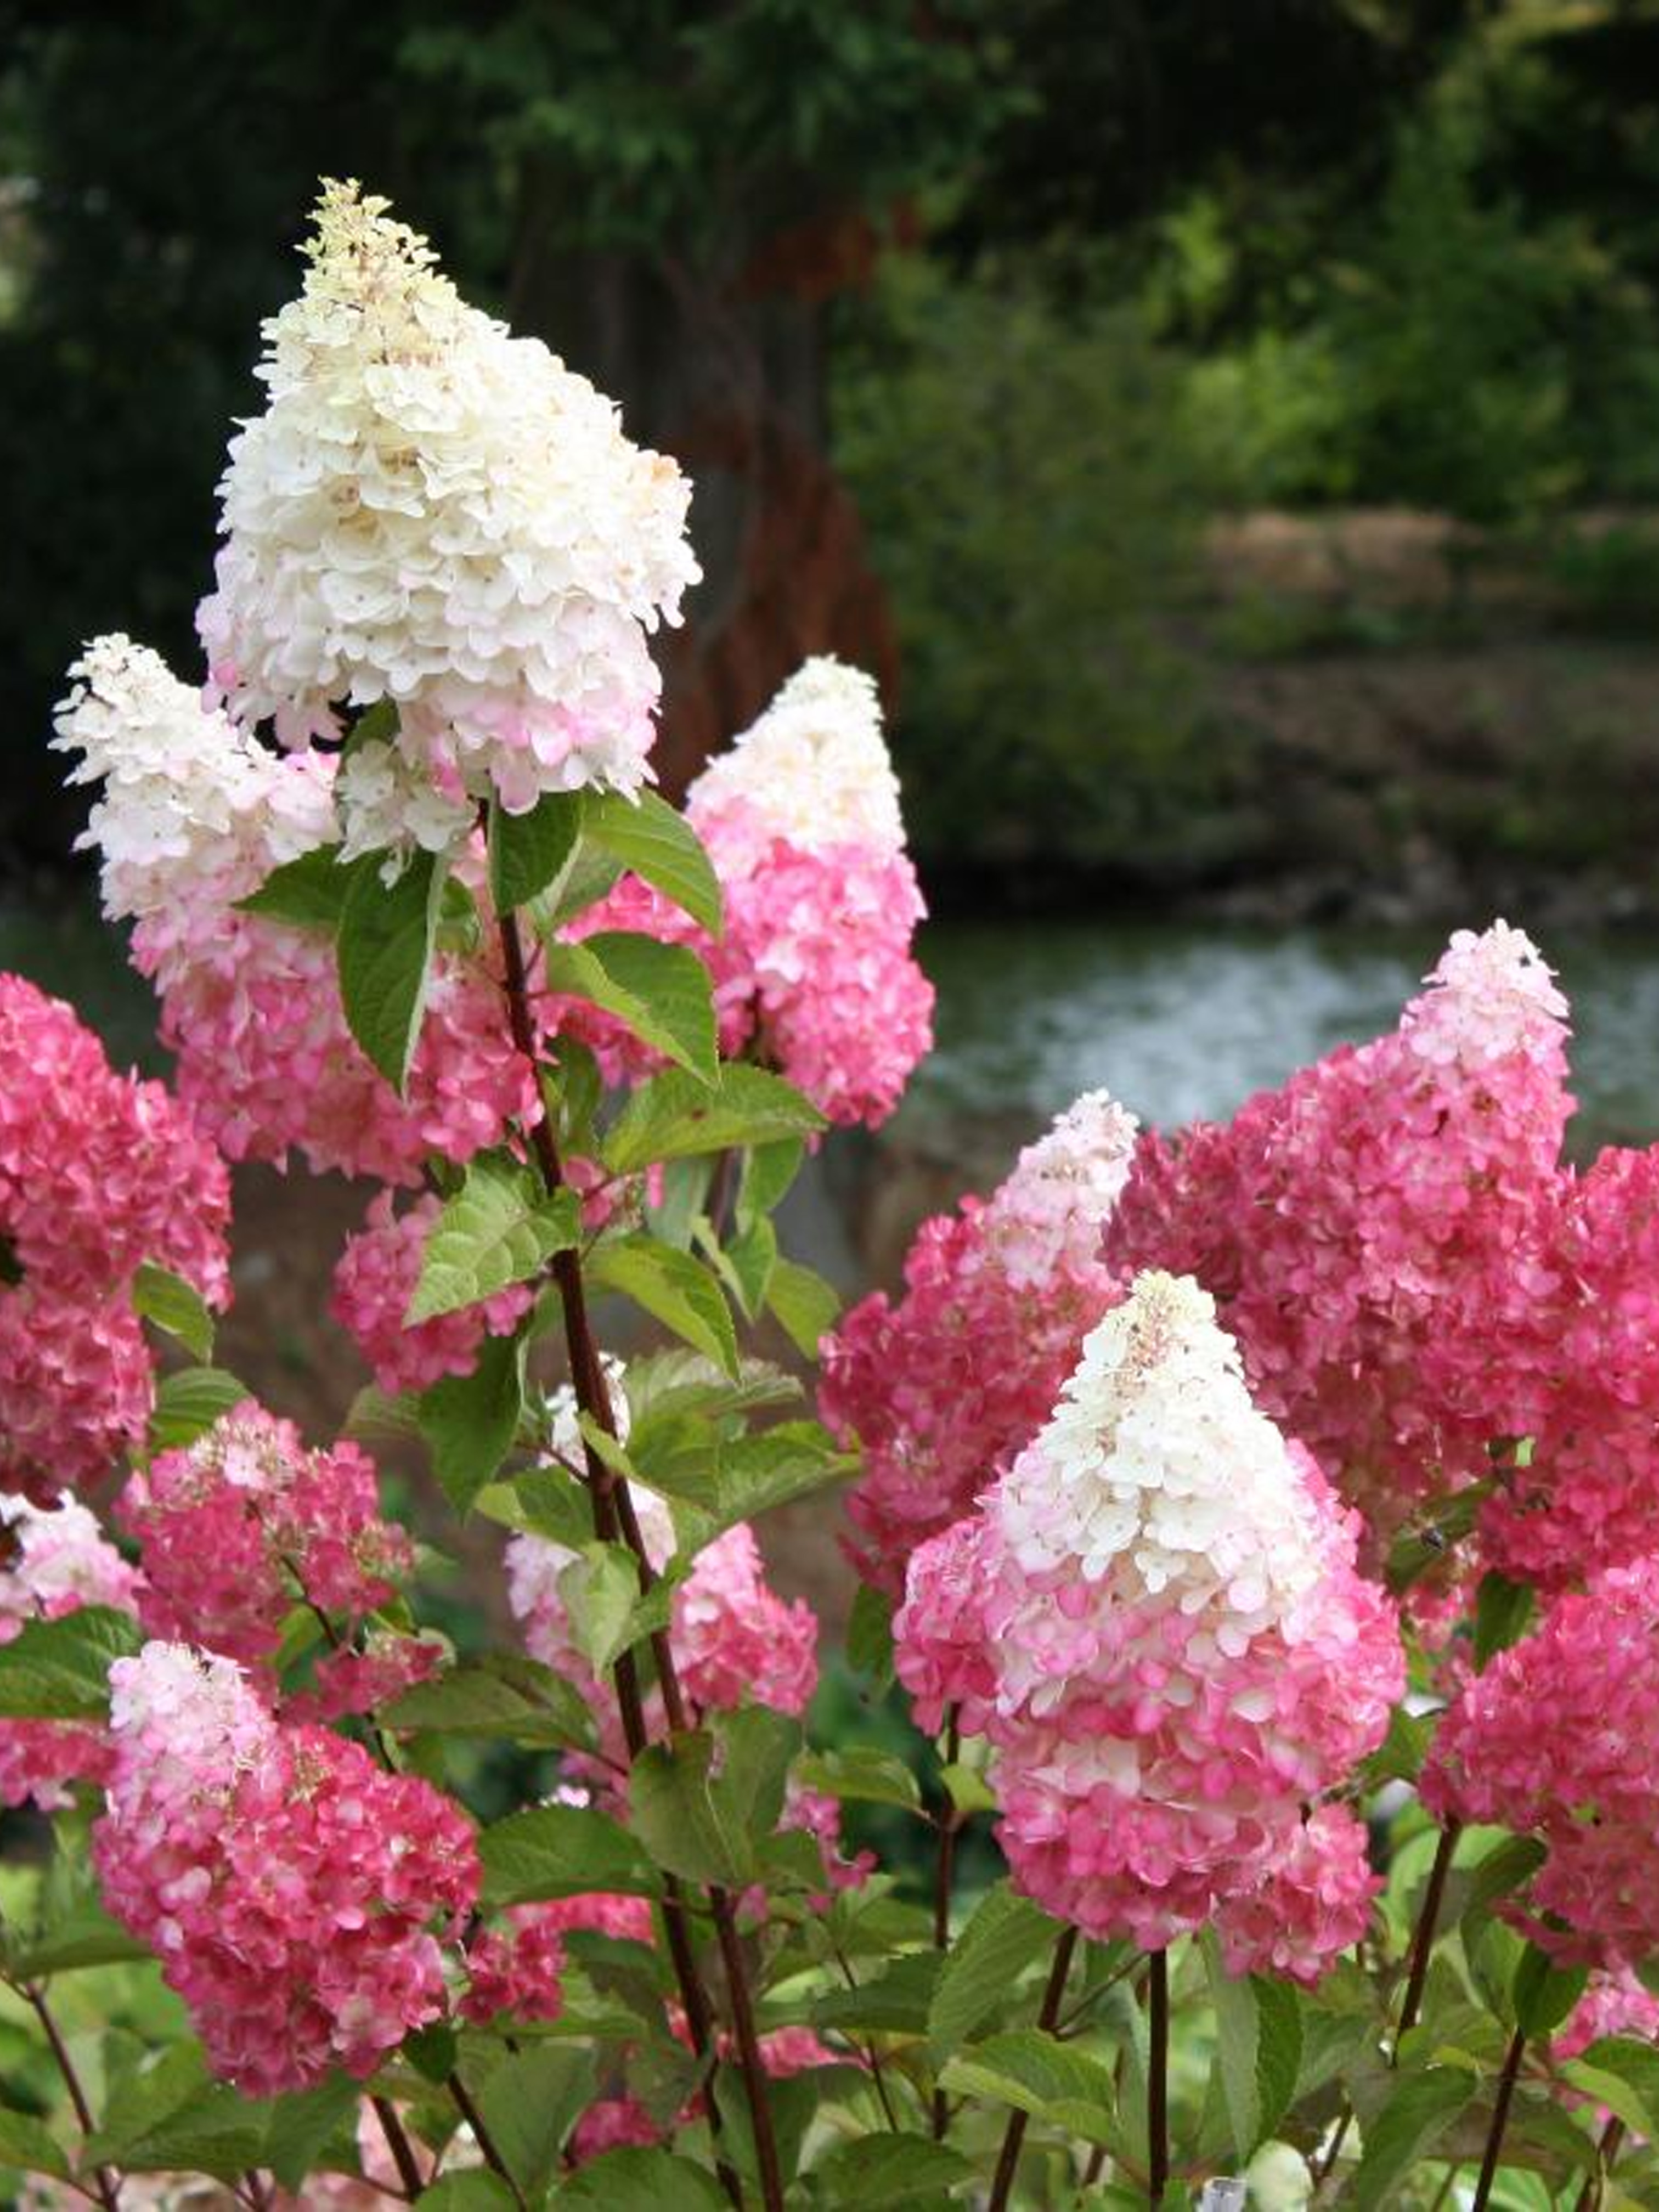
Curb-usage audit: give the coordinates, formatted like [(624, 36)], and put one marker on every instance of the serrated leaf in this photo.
[(1623, 2074), (1543, 1993), (768, 1170), (1418, 2111), (83, 1936), (751, 1255), (1003, 1936), (674, 1289), (870, 1634), (28, 2145), (308, 893), (673, 1116), (1035, 2073), (384, 957), (893, 2003), (530, 2103), (860, 1774), (1259, 2032), (544, 1501), (215, 2132), (532, 853), (469, 1421), (804, 1303), (600, 1591), (500, 1228), (639, 2180), (660, 991), (883, 2171), (561, 1850), (690, 1826), (58, 1670), (174, 1305), (501, 1697), (477, 2190), (189, 1402), (1502, 1611), (659, 845), (300, 2123), (667, 1385)]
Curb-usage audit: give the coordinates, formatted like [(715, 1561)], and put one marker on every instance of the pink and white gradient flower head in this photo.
[(1491, 995), (433, 512), (1314, 1903), (1051, 1212)]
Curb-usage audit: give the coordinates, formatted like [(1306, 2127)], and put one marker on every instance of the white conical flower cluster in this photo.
[(1052, 1210), (1491, 994), (814, 769), (433, 512)]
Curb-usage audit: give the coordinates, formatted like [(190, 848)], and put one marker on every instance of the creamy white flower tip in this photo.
[(814, 769), (1157, 1469), (1491, 994), (1054, 1205), (432, 511)]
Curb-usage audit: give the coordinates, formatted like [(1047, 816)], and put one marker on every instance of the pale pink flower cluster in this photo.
[(373, 1282), (240, 1526), (1559, 1738), (1366, 1228), (434, 513), (294, 1892), (194, 815), (54, 1560), (98, 1173), (1315, 1903), (1158, 1623), (1612, 2004), (943, 1388), (813, 973)]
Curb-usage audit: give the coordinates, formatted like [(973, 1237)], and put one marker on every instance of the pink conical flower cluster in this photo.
[(1157, 1619), (98, 1173), (943, 1388), (294, 1892)]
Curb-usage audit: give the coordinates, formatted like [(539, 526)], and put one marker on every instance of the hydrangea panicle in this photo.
[(373, 1282)]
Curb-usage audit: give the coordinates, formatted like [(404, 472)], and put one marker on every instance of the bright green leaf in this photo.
[(804, 1303), (674, 1116), (660, 847), (189, 1402), (174, 1305), (768, 1170), (660, 991), (674, 1289), (28, 2145), (1035, 2073), (1003, 1935), (561, 1850), (58, 1670), (469, 1421), (500, 1228), (383, 955), (861, 1774), (600, 1591), (503, 1697)]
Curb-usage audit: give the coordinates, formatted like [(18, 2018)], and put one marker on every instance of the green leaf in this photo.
[(189, 1402), (768, 1170), (639, 2180), (530, 852), (751, 1255), (1500, 1873), (1426, 1543), (591, 876), (500, 1228), (561, 1850), (966, 1787), (384, 953), (1502, 1611), (1399, 1756), (530, 2103), (1035, 2073), (673, 1116), (600, 1589), (874, 2172), (309, 893), (892, 2002), (674, 1289), (790, 1460), (477, 2191), (1623, 2074), (28, 2145), (804, 1303), (1544, 1993), (685, 1819), (860, 1774), (545, 1502), (83, 1936), (469, 1421), (1259, 2030), (302, 2122), (660, 847), (660, 991), (870, 1634), (58, 1670), (501, 1697), (1003, 1936), (664, 1385), (757, 1747), (174, 1305), (1418, 2112), (216, 2132)]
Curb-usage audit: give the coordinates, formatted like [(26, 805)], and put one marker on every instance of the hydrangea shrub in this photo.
[(1257, 1524)]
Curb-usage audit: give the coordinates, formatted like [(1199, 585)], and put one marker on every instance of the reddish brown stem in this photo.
[(1014, 2135), (614, 1514), (1423, 1942), (1500, 2115), (467, 2107), (1612, 2135), (109, 2186), (403, 2151), (944, 1875), (1157, 2075)]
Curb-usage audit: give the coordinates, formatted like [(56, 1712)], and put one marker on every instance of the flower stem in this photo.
[(614, 1514), (403, 2151), (944, 1875), (109, 2186), (1500, 2113), (466, 2107), (1423, 1942), (1157, 2074), (1607, 2150), (1008, 2160)]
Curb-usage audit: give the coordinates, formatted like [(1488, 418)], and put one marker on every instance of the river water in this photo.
[(1181, 1020)]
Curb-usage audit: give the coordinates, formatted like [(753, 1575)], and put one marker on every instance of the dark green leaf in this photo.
[(660, 847), (1259, 2029), (870, 1634), (188, 1403), (28, 2145), (690, 1826), (1003, 1937), (560, 1850), (1544, 1993), (860, 1773), (469, 1421), (1427, 1542), (1400, 1757), (530, 2103), (660, 991), (1418, 2112), (674, 1289), (887, 2170), (768, 1170), (501, 1695), (893, 2003), (673, 1116), (1502, 1611), (500, 1228), (804, 1303), (309, 893), (302, 2122), (216, 2132), (788, 1461), (532, 852), (384, 954), (85, 1936), (174, 1305), (58, 1670), (1035, 2073), (474, 2191), (639, 2180)]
